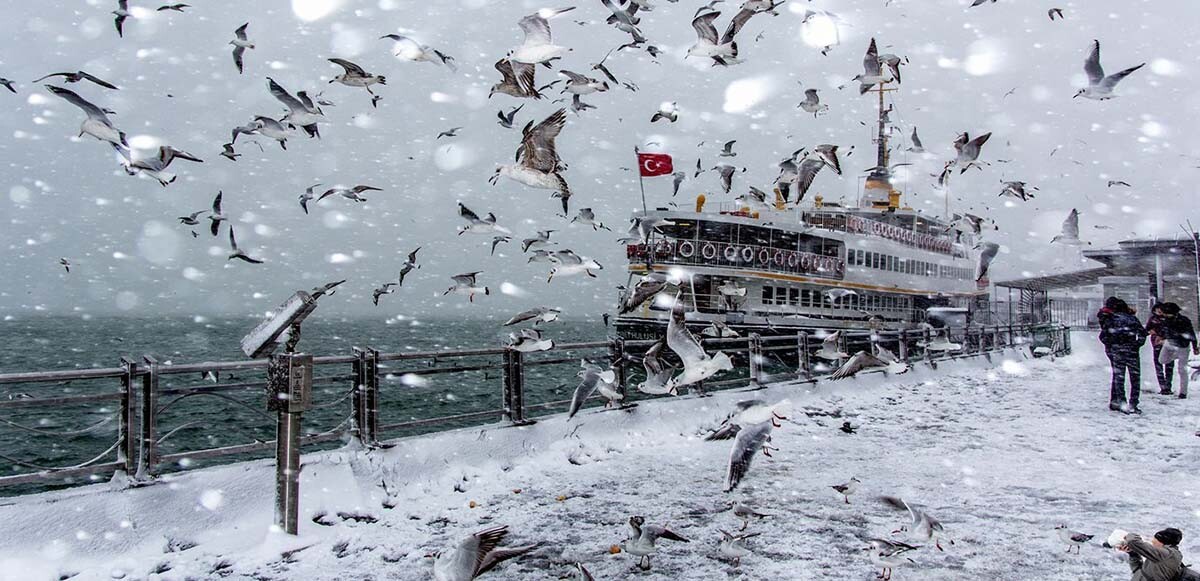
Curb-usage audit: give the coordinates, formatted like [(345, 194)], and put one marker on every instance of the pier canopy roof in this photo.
[(1058, 281)]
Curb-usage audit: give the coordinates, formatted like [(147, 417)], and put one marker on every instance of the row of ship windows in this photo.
[(810, 298), (876, 260)]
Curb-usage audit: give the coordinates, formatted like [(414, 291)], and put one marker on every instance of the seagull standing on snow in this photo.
[(888, 555), (97, 123), (642, 543), (1073, 539), (475, 555), (733, 547), (745, 513), (538, 164), (1070, 231), (697, 365), (538, 46), (1101, 87), (240, 44), (850, 487), (593, 379)]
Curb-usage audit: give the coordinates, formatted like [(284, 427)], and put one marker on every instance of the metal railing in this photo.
[(363, 397)]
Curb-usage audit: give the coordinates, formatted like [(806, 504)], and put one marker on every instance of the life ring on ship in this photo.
[(764, 257), (793, 260), (731, 253), (852, 223), (708, 251), (747, 254), (806, 262), (687, 249), (779, 259)]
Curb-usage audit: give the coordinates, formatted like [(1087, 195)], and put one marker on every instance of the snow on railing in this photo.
[(152, 402)]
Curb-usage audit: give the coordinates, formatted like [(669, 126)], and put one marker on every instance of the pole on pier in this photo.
[(616, 356), (366, 385), (514, 388), (902, 346), (289, 389), (805, 360), (127, 449), (147, 457), (755, 353)]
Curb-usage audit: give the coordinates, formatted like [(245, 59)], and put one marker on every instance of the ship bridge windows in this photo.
[(889, 263), (717, 232), (680, 230)]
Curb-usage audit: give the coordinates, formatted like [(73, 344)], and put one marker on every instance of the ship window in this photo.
[(875, 259), (716, 232), (768, 295), (891, 263), (754, 235), (794, 296), (680, 230), (851, 257), (784, 240)]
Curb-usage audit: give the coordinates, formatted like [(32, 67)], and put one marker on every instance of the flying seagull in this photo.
[(191, 219), (657, 372), (882, 359), (538, 164), (1015, 189), (538, 46), (921, 526), (722, 50), (812, 103), (413, 51), (228, 152), (987, 254), (122, 12), (301, 113), (872, 70), (578, 84), (355, 76), (66, 264), (97, 123), (237, 252), (587, 217), (351, 194), (217, 216), (1112, 183), (172, 7), (727, 149), (517, 80), (541, 240), (409, 264), (1070, 231), (968, 151), (79, 76), (733, 546), (1054, 12), (529, 341), (240, 44), (452, 132), (386, 289), (155, 167), (567, 263), (592, 380), (475, 555), (538, 315), (498, 240), (645, 288), (1101, 87), (7, 84), (306, 196), (917, 146), (506, 119), (667, 111), (464, 284), (750, 440), (477, 225), (697, 364)]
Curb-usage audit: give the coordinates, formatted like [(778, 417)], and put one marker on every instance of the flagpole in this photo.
[(641, 180)]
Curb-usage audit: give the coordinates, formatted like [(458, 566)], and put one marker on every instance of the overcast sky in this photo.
[(67, 197)]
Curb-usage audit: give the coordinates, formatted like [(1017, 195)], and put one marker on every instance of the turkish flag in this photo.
[(654, 164)]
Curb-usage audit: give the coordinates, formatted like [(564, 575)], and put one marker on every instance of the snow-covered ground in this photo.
[(1001, 452)]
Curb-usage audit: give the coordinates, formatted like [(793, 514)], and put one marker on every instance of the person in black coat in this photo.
[(1123, 336), (1163, 370), (1179, 337)]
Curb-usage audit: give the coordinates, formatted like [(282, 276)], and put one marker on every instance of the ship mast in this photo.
[(881, 194)]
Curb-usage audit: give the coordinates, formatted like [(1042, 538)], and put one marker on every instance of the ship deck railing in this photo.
[(89, 425)]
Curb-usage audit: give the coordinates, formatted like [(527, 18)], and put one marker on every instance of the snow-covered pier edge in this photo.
[(225, 512)]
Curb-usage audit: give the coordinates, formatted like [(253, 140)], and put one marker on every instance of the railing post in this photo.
[(927, 337), (902, 348), (372, 399), (147, 453), (805, 358), (364, 378), (755, 353), (514, 388), (127, 449), (616, 354)]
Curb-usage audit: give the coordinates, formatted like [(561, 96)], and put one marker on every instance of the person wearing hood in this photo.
[(1179, 338), (1123, 336), (1158, 559)]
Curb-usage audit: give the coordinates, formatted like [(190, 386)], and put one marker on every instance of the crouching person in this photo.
[(1158, 559)]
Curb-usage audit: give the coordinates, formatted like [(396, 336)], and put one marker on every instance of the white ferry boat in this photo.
[(815, 265)]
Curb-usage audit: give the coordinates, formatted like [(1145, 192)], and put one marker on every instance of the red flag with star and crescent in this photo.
[(654, 164)]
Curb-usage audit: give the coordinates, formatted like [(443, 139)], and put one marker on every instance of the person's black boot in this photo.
[(1114, 406)]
